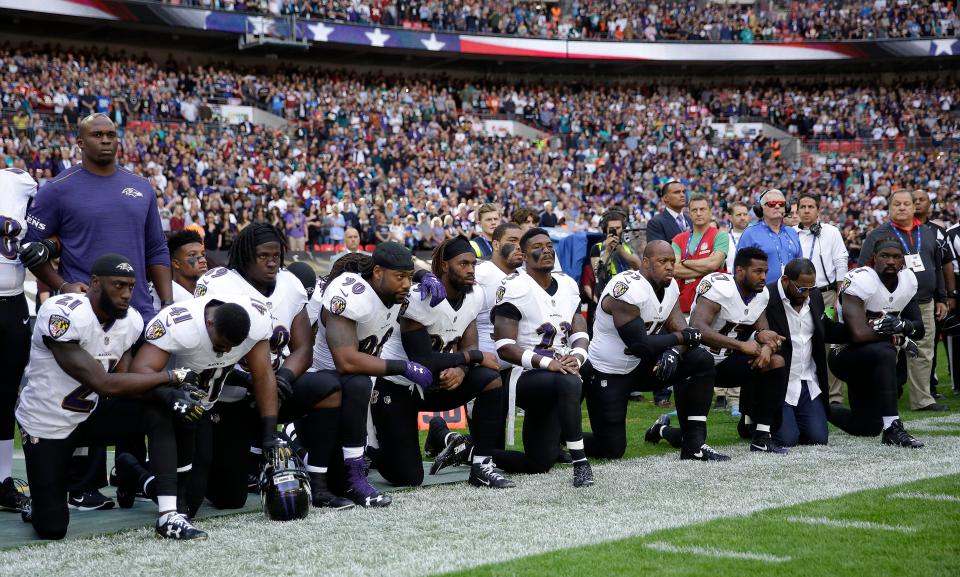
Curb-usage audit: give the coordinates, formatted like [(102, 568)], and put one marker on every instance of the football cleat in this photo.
[(704, 453), (582, 474), (322, 497), (174, 525), (763, 442), (484, 474), (129, 471), (437, 432), (90, 501), (359, 489), (13, 495), (743, 429), (896, 435), (457, 452), (653, 433), (564, 458)]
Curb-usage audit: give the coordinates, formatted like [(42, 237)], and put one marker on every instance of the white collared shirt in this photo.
[(734, 241), (827, 251), (802, 367)]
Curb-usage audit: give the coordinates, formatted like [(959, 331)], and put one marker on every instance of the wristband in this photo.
[(268, 426), (475, 356), (577, 336), (394, 367), (583, 353), (165, 303), (526, 359), (545, 362), (288, 374), (60, 290), (503, 343)]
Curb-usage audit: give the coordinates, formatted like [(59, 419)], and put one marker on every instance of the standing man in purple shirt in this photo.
[(96, 208), (296, 226)]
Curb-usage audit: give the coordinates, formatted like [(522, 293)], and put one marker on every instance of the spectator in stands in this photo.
[(351, 244)]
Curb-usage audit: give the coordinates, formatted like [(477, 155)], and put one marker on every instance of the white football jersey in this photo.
[(17, 188), (864, 283), (608, 352), (351, 297), (313, 305), (444, 325), (181, 330), (545, 322), (52, 403), (736, 318), (180, 294), (284, 303), (489, 276)]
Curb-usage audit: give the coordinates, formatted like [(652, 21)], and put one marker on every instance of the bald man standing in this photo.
[(351, 243)]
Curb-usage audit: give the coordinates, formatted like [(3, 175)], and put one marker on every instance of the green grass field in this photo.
[(899, 531)]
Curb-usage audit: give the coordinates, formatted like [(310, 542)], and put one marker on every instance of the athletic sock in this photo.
[(167, 502), (352, 452), (6, 458), (887, 421), (446, 438), (477, 459), (763, 428), (577, 453)]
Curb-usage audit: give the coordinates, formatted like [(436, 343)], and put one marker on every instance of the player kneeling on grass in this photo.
[(208, 335), (729, 312), (879, 309), (533, 311), (358, 314), (443, 339), (642, 342), (80, 350)]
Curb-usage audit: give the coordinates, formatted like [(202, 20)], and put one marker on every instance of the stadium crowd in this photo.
[(408, 159), (677, 20)]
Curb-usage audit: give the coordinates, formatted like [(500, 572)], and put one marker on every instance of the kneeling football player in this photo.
[(642, 342), (443, 339), (538, 328), (79, 392)]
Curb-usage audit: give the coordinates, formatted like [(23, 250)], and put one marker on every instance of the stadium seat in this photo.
[(326, 248)]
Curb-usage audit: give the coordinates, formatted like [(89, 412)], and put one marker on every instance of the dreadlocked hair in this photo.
[(354, 262), (243, 251), (437, 263)]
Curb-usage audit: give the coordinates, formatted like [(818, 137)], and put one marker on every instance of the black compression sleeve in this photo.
[(912, 313), (508, 310), (418, 347), (647, 347), (395, 367)]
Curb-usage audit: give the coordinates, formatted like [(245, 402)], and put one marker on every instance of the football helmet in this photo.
[(284, 485)]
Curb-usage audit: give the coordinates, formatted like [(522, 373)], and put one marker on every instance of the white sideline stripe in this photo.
[(844, 524), (925, 496), (719, 553)]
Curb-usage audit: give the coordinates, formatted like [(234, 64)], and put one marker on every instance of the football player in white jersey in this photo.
[(208, 335), (878, 307), (188, 261), (359, 311), (538, 328), (312, 398), (729, 312), (642, 342), (443, 339), (506, 260), (17, 189), (79, 392)]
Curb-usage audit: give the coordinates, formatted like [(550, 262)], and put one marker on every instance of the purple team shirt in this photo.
[(94, 215)]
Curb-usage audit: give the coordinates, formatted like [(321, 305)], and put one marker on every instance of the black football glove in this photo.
[(184, 401), (889, 325), (691, 337), (275, 450), (911, 348), (37, 253), (667, 365)]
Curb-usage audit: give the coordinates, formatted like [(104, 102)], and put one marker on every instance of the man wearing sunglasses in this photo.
[(796, 310), (771, 235)]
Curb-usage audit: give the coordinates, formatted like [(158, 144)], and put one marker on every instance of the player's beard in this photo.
[(108, 307)]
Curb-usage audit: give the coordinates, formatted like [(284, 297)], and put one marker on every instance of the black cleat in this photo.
[(896, 435), (763, 442), (564, 458), (323, 498), (582, 474), (174, 525), (90, 501), (129, 472), (704, 453), (457, 452), (13, 495), (485, 475), (436, 433), (26, 513), (743, 429), (653, 433)]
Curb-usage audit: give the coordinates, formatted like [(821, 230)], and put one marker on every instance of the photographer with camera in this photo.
[(823, 244), (612, 255)]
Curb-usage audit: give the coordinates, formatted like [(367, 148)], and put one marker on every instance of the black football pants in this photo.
[(873, 379), (15, 344), (761, 392)]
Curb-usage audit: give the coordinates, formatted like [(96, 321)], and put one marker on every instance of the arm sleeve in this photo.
[(419, 348), (912, 313), (508, 310), (647, 348)]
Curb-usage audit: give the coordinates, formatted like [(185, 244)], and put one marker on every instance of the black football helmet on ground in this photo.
[(284, 485)]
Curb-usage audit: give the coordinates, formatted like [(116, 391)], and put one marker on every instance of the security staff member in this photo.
[(488, 217)]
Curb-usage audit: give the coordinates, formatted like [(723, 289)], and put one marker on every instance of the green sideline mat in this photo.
[(14, 532)]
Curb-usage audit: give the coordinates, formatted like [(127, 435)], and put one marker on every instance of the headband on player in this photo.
[(264, 234), (456, 247), (393, 255), (112, 265), (886, 243)]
